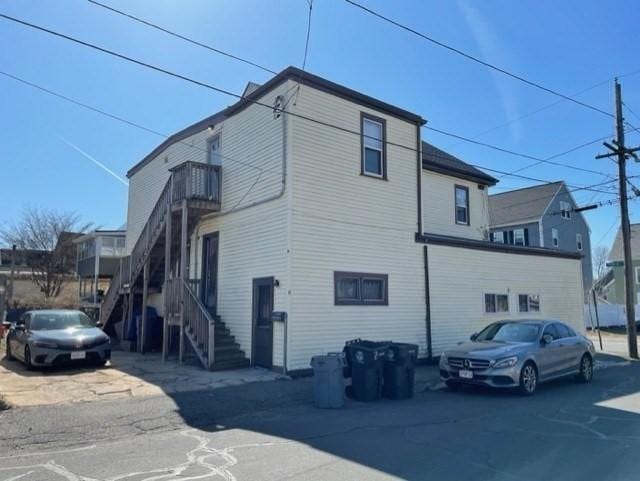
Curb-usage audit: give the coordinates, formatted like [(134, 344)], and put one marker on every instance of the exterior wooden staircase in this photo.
[(193, 190)]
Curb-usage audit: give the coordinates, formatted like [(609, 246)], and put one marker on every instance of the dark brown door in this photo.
[(262, 326), (209, 286)]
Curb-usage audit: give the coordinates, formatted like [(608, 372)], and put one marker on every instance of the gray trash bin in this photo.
[(328, 381)]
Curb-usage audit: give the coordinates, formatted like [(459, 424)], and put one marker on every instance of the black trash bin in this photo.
[(365, 364), (399, 370)]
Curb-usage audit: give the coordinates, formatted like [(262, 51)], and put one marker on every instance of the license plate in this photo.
[(78, 355), (464, 374)]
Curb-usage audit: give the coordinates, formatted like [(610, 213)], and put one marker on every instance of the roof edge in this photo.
[(450, 241), (300, 76)]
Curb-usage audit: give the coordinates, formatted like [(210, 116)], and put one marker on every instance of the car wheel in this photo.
[(528, 379), (27, 358), (452, 385), (8, 354), (586, 369)]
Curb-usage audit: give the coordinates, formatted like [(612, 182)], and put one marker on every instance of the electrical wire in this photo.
[(180, 36), (256, 102), (477, 60)]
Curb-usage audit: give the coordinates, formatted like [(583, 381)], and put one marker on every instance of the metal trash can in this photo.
[(399, 370), (366, 362), (328, 381)]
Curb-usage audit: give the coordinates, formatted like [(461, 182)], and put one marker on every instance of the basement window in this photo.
[(496, 303), (528, 303), (354, 288)]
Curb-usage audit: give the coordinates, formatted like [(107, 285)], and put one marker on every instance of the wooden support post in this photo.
[(131, 298), (145, 294), (183, 274), (167, 274)]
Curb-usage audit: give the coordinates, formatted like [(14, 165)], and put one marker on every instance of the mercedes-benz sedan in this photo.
[(57, 337), (519, 354)]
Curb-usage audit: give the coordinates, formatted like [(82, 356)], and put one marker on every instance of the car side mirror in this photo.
[(546, 339), (99, 324), (474, 336)]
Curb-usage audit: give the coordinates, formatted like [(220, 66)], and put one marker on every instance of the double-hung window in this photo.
[(528, 303), (555, 237), (496, 303), (462, 205), (215, 151), (355, 288), (565, 209), (374, 162), (579, 241), (519, 238)]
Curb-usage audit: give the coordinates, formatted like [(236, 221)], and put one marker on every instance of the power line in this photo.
[(539, 160), (180, 36), (252, 101), (477, 60)]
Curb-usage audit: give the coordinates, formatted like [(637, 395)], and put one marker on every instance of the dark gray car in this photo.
[(57, 337), (519, 354)]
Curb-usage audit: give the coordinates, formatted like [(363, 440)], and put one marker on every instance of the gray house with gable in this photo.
[(542, 216)]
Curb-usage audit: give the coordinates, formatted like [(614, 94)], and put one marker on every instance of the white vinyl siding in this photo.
[(457, 312), (252, 241), (343, 221), (438, 207)]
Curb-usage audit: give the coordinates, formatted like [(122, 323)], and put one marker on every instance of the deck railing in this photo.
[(188, 181)]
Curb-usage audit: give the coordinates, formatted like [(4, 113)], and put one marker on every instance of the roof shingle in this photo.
[(521, 205)]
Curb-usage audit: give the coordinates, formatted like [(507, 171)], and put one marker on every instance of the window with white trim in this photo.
[(494, 303), (215, 152), (373, 151), (579, 242), (497, 237), (528, 303), (555, 237), (519, 237), (637, 275), (565, 209)]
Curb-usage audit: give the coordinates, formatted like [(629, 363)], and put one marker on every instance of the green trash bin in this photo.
[(328, 381), (399, 370), (366, 362)]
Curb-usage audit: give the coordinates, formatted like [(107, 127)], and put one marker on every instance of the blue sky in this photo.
[(568, 46)]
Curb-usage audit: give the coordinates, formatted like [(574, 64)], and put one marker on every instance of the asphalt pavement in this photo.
[(271, 431)]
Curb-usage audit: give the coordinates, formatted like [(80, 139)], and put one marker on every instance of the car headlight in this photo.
[(507, 362), (45, 344)]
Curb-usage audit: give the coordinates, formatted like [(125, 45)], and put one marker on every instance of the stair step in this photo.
[(235, 364), (228, 355), (227, 347)]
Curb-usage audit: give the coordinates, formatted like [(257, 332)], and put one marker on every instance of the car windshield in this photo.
[(509, 332), (60, 320)]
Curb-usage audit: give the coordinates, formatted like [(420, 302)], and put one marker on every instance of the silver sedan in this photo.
[(519, 354), (57, 337)]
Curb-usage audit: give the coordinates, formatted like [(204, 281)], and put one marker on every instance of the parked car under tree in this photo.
[(519, 354), (57, 337)]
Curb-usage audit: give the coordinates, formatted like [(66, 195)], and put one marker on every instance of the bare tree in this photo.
[(43, 238), (600, 256)]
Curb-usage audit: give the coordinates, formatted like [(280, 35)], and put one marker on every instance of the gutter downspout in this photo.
[(419, 168), (427, 301)]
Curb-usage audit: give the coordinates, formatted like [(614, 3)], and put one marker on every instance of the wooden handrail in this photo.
[(189, 180), (197, 317)]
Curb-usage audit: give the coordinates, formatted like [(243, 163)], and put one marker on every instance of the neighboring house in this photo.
[(611, 284), (98, 257), (264, 236), (542, 216)]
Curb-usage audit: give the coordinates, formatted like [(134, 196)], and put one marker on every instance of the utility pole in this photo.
[(621, 152), (11, 276)]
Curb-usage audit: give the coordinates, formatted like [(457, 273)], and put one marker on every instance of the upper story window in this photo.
[(579, 241), (555, 237), (462, 205), (519, 237), (565, 209), (498, 237), (374, 162), (215, 152)]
